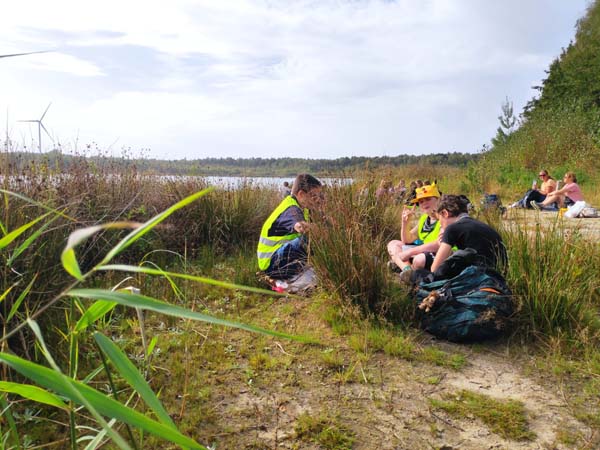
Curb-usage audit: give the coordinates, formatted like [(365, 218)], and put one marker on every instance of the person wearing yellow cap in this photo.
[(418, 245)]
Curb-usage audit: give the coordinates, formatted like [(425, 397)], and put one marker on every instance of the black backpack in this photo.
[(473, 306), (492, 203)]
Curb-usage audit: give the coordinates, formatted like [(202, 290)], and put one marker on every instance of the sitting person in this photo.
[(417, 248), (285, 190), (410, 193), (462, 231), (384, 190), (281, 251), (563, 197), (400, 191), (535, 194)]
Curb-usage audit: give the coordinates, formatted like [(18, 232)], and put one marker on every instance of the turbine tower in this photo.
[(40, 126)]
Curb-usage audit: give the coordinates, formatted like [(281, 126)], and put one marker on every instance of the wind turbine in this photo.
[(40, 126), (22, 54)]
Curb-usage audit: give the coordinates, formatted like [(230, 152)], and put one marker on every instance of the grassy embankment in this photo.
[(360, 316)]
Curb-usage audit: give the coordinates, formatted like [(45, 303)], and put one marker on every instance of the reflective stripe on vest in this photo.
[(268, 245), (429, 236)]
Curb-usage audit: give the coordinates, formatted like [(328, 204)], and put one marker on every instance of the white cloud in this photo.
[(58, 62), (257, 77)]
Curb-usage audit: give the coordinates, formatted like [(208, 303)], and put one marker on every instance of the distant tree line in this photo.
[(279, 167)]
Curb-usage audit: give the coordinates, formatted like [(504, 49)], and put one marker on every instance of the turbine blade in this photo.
[(47, 108), (44, 128), (23, 54), (27, 120)]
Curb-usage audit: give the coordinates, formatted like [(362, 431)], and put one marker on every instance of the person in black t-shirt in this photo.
[(463, 232)]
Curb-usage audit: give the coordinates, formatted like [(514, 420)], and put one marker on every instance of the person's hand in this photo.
[(406, 214), (301, 227)]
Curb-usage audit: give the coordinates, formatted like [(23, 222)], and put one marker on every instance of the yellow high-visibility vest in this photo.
[(268, 245), (430, 236)]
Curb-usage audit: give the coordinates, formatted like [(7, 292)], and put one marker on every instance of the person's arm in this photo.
[(431, 247), (408, 235), (563, 190), (442, 255)]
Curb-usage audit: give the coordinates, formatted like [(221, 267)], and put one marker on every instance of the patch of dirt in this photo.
[(383, 400)]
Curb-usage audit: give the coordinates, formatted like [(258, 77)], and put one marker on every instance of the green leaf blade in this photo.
[(152, 304), (10, 237), (98, 310), (32, 392), (185, 276), (105, 405), (134, 378), (146, 227)]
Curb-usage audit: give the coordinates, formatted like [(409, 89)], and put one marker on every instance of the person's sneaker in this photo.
[(514, 205), (535, 205), (393, 267), (405, 276), (262, 277)]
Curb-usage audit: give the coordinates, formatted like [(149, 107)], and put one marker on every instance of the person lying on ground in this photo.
[(535, 194), (281, 251), (563, 197), (419, 244), (461, 231)]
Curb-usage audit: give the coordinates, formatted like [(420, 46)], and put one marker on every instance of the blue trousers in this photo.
[(289, 260)]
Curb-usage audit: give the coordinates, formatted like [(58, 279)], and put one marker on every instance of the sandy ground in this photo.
[(386, 402), (393, 411), (589, 228)]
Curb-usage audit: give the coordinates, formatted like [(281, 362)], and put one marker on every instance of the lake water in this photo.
[(237, 182), (222, 182)]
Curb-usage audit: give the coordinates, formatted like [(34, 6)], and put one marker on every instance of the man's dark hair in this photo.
[(305, 182), (454, 204)]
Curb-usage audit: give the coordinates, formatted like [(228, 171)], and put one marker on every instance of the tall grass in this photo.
[(85, 307), (554, 274), (348, 251), (88, 194)]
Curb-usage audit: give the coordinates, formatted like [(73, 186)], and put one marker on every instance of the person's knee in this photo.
[(394, 247), (418, 261)]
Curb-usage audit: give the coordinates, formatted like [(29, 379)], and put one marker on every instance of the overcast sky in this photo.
[(274, 78)]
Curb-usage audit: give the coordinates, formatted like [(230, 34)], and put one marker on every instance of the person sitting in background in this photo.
[(384, 189), (535, 194), (563, 197), (281, 248), (400, 191), (461, 231), (285, 190), (411, 193), (417, 248)]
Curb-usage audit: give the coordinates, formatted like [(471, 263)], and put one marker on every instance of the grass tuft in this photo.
[(325, 431), (506, 418)]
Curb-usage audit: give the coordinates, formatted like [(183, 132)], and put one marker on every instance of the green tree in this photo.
[(508, 122)]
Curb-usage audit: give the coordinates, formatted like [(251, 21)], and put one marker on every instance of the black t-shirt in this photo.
[(470, 233)]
